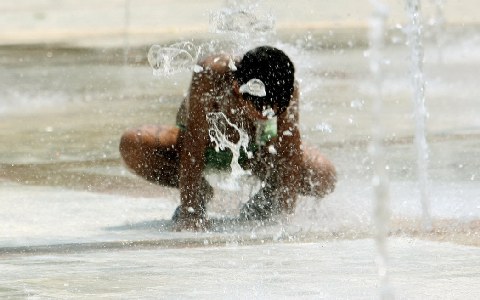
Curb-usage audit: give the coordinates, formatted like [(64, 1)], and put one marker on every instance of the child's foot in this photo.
[(189, 220), (260, 207)]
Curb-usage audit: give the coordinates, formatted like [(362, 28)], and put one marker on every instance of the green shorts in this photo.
[(221, 160)]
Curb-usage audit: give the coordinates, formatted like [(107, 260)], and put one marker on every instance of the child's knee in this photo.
[(128, 143), (131, 150), (319, 177), (329, 178)]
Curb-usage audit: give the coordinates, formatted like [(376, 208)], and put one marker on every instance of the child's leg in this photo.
[(318, 175), (317, 178), (151, 152)]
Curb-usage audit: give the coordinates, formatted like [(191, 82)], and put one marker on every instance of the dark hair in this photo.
[(273, 67)]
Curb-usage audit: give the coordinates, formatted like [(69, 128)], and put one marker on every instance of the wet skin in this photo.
[(169, 156)]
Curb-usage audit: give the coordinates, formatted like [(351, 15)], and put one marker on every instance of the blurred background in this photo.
[(141, 22)]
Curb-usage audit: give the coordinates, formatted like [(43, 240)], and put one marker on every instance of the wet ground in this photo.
[(76, 223), (326, 269)]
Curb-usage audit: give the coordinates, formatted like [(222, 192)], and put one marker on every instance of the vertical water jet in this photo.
[(380, 177), (415, 30)]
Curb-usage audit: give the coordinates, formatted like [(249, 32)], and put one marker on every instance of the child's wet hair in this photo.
[(275, 69)]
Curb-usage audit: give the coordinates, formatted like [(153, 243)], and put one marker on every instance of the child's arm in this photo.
[(284, 161), (288, 159), (193, 144), (195, 139)]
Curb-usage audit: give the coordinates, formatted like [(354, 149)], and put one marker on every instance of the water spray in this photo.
[(418, 84), (243, 24), (175, 58), (218, 124), (380, 177)]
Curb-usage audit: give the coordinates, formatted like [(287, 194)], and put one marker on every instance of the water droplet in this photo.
[(323, 127), (197, 69), (231, 65), (272, 150), (357, 104)]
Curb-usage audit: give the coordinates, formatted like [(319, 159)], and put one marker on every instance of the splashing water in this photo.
[(240, 26), (174, 58), (241, 17), (380, 178), (218, 124), (418, 85), (242, 23)]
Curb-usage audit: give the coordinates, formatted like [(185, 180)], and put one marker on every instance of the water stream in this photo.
[(377, 150), (420, 111)]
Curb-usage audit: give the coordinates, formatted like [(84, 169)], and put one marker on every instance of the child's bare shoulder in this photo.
[(219, 63)]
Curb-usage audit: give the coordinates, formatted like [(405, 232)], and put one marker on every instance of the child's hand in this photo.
[(189, 221), (262, 206)]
